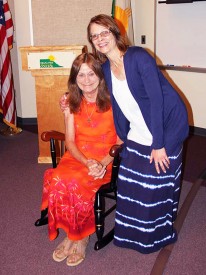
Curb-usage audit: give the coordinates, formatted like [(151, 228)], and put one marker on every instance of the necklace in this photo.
[(89, 116)]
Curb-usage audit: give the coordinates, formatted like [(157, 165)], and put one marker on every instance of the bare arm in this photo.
[(70, 137), (100, 170), (107, 159)]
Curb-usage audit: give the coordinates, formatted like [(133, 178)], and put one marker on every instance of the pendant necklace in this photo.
[(89, 116)]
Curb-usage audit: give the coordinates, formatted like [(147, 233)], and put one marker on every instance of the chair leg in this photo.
[(105, 240), (99, 215), (99, 221), (43, 219)]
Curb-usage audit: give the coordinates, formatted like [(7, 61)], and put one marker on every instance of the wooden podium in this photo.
[(51, 67)]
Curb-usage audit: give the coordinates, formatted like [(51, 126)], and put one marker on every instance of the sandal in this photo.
[(63, 250), (78, 252)]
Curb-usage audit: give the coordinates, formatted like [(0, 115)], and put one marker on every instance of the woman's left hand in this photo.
[(96, 169), (160, 159), (100, 174)]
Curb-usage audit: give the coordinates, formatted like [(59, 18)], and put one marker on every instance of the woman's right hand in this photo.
[(63, 102)]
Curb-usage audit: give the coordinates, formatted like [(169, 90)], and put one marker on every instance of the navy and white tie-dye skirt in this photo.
[(147, 202)]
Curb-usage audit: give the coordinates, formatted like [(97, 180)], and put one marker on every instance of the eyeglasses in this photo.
[(102, 34)]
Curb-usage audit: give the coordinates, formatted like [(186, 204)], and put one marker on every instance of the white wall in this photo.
[(144, 22), (23, 81)]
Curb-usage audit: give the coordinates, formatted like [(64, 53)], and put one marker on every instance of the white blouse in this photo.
[(139, 131)]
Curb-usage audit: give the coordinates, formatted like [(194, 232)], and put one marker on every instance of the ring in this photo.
[(156, 162)]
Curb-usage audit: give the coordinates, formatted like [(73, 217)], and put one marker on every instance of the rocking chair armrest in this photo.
[(115, 150), (47, 135)]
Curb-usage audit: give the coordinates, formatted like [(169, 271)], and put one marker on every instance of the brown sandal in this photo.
[(78, 252), (63, 250)]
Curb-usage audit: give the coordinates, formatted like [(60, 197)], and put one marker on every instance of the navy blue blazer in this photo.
[(162, 108)]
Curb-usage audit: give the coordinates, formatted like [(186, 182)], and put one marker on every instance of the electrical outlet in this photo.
[(143, 39)]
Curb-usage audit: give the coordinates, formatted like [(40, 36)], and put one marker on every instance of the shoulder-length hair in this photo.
[(75, 93), (109, 23)]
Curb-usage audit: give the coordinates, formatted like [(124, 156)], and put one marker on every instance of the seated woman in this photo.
[(69, 190)]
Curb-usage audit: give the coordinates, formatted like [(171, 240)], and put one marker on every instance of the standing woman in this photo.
[(151, 119)]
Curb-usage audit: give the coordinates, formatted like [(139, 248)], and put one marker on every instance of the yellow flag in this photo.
[(122, 13)]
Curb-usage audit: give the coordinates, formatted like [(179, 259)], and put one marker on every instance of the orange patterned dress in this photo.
[(68, 190)]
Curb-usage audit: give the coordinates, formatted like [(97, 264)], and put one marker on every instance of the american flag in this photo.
[(7, 96)]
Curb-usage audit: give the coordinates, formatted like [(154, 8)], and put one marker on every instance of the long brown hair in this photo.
[(108, 22), (75, 94)]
